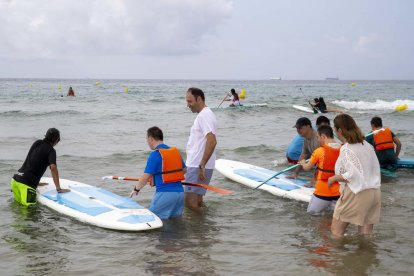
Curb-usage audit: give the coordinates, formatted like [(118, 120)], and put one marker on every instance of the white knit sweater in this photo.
[(358, 164)]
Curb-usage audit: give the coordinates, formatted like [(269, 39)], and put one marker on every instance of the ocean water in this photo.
[(103, 132)]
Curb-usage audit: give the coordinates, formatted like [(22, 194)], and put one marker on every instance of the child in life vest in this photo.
[(324, 158)]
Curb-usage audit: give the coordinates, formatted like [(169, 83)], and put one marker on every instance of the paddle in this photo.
[(374, 132), (278, 173), (208, 187), (313, 108), (297, 165), (225, 97), (315, 111)]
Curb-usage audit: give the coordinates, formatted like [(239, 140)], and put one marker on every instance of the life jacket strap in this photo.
[(323, 170), (173, 171)]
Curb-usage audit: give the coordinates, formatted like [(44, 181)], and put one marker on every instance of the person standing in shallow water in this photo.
[(324, 158), (201, 156), (304, 129), (358, 170), (164, 170), (41, 155)]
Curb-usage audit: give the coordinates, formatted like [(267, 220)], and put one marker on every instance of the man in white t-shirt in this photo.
[(201, 156)]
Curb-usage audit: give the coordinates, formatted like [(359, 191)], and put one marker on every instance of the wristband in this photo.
[(136, 190), (58, 190)]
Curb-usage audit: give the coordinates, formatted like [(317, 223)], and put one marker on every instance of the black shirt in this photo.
[(40, 156), (321, 106)]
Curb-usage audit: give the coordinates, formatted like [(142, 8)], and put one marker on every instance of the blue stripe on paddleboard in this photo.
[(77, 202), (108, 197), (269, 173), (405, 163), (258, 176), (135, 219)]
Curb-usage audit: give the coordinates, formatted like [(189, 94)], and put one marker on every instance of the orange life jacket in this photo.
[(383, 140), (172, 166), (325, 171)]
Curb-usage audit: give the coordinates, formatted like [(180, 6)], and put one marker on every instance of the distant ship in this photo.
[(277, 78), (332, 79)]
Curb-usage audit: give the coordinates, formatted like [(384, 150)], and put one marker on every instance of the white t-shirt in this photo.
[(204, 123), (358, 164)]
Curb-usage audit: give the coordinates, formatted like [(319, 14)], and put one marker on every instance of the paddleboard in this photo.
[(242, 106), (304, 108), (405, 163), (252, 176), (97, 206), (388, 173)]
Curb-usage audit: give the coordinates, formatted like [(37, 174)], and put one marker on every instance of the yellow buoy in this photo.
[(353, 84), (126, 89), (97, 83), (243, 94), (401, 107), (59, 87)]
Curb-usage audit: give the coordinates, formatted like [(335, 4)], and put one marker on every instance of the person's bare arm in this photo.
[(55, 176), (306, 166), (141, 183), (208, 151), (398, 146)]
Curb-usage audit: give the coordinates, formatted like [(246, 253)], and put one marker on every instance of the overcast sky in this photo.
[(207, 39)]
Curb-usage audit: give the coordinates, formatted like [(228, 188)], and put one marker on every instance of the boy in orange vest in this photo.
[(383, 142), (324, 158)]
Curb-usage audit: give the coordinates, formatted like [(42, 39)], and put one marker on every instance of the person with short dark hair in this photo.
[(41, 155), (358, 171), (165, 170), (201, 156), (294, 149), (304, 128), (383, 142), (324, 158), (322, 120)]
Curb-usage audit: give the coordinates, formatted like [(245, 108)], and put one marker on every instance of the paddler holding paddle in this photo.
[(164, 170), (233, 96)]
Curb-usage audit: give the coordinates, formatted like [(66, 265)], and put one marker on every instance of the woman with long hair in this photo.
[(358, 171)]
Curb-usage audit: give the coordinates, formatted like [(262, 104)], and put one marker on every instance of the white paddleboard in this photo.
[(252, 176), (97, 206), (304, 108)]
